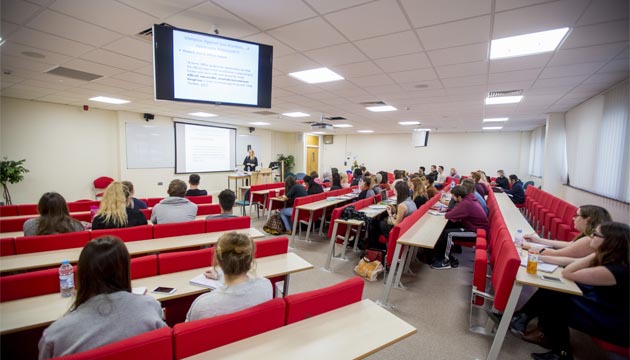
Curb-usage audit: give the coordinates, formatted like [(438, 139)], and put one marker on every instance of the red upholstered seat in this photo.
[(12, 224), (29, 284), (270, 247), (312, 303), (134, 233), (83, 205), (7, 246), (235, 223), (147, 213), (208, 209), (84, 216), (151, 202), (612, 348), (154, 345), (184, 260), (31, 244), (205, 199), (144, 266), (504, 274), (8, 210), (202, 335), (27, 209), (480, 270), (178, 229), (100, 184)]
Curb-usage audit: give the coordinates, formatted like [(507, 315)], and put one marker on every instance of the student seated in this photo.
[(356, 176), (233, 258), (395, 214), (366, 189), (311, 186), (375, 183), (135, 203), (336, 182), (502, 181), (292, 191), (420, 196), (226, 200), (466, 217), (602, 311), (193, 182), (441, 178), (175, 208), (114, 211), (431, 190), (54, 217), (480, 187), (516, 192), (104, 309), (470, 187), (344, 180)]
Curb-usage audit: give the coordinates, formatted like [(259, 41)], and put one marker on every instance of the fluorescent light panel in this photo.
[(409, 123), (381, 108), (365, 131), (492, 127), (296, 114), (504, 100), (202, 114), (109, 100), (342, 125), (495, 119), (527, 44), (421, 129), (259, 123), (318, 133), (316, 76)]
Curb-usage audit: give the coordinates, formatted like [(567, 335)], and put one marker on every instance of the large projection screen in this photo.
[(204, 148)]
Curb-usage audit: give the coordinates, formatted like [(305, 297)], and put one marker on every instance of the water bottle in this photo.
[(518, 240), (93, 211), (452, 184), (66, 279)]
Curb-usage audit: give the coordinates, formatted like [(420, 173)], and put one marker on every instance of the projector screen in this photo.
[(197, 67), (420, 138), (204, 148)]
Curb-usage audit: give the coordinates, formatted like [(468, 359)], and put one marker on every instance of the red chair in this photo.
[(151, 202), (134, 233), (205, 199), (100, 184), (144, 266), (8, 210), (178, 229), (480, 270), (82, 205), (235, 223), (270, 247), (312, 303), (12, 224), (549, 217), (624, 352), (206, 334), (29, 284), (27, 209), (147, 213), (156, 344), (31, 244), (86, 217), (208, 209), (7, 246)]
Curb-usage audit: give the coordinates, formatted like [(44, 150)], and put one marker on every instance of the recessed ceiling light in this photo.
[(365, 131), (381, 108), (109, 100), (260, 123), (492, 127), (316, 76), (495, 119), (202, 114), (504, 100), (421, 129), (318, 133), (296, 114), (527, 44), (409, 123), (342, 125)]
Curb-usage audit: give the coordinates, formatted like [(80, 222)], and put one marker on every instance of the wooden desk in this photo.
[(345, 333), (265, 193), (514, 220), (275, 198), (311, 208), (42, 310), (425, 234), (261, 177), (52, 258), (236, 177)]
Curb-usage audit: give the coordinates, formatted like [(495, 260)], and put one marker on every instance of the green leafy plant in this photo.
[(11, 172), (289, 162)]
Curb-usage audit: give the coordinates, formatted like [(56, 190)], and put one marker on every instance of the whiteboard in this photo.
[(242, 141), (150, 146)]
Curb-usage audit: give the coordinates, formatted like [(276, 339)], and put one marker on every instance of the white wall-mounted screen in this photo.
[(204, 148), (420, 138), (197, 67)]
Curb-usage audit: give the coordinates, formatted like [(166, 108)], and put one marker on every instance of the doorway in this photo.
[(312, 154)]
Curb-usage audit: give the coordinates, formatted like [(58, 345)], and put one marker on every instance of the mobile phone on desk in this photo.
[(163, 290), (550, 278)]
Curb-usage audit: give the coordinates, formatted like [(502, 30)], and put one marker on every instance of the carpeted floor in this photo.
[(436, 302)]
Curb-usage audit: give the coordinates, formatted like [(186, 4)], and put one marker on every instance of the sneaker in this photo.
[(454, 262), (441, 264), (518, 325), (553, 355)]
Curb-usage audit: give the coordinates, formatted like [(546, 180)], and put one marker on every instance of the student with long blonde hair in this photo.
[(420, 195), (114, 212)]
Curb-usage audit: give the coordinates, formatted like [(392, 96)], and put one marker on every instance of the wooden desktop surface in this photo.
[(42, 310), (425, 232), (51, 258), (351, 332)]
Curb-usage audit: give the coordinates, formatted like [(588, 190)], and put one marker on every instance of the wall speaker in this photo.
[(148, 116), (328, 139)]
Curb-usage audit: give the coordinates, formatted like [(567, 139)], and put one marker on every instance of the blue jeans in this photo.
[(285, 215)]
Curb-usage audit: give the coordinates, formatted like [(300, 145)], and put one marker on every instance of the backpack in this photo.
[(274, 225)]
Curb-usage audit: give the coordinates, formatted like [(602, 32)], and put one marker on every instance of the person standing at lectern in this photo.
[(250, 162)]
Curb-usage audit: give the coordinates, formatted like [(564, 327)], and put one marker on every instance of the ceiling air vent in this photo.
[(373, 103), (147, 35), (334, 118), (73, 74), (493, 94), (265, 112)]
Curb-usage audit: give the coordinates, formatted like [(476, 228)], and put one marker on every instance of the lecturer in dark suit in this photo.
[(250, 162)]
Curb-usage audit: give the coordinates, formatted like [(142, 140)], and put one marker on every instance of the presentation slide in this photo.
[(214, 69), (202, 148)]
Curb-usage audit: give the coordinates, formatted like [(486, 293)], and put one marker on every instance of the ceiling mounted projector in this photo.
[(321, 126)]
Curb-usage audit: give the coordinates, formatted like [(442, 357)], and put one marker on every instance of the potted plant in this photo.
[(289, 162), (11, 172)]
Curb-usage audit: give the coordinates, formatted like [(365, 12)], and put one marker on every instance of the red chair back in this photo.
[(184, 260), (7, 246), (78, 206), (27, 209), (151, 202), (12, 224), (29, 284), (270, 247), (205, 199), (8, 210), (134, 233), (31, 244), (235, 223), (504, 274), (178, 229), (208, 209), (144, 266), (202, 335), (312, 303)]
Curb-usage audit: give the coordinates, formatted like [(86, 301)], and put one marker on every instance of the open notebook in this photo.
[(202, 280)]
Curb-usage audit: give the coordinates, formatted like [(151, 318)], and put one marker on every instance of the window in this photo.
[(536, 151)]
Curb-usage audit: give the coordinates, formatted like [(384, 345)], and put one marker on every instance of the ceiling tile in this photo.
[(460, 54), (597, 34), (352, 71), (503, 5), (132, 47), (430, 12), (6, 28), (561, 83), (369, 20), (293, 63), (70, 28), (464, 81), (326, 6), (608, 78), (129, 21), (536, 18), (279, 48), (114, 59), (625, 54), (512, 76), (22, 62), (91, 67), (520, 63), (336, 55), (414, 75), (17, 11), (308, 34), (615, 66), (206, 17), (273, 14), (12, 48), (604, 10), (456, 33), (466, 69), (136, 78), (390, 45), (404, 62), (571, 70), (373, 80), (117, 83), (586, 54), (40, 40), (161, 8)]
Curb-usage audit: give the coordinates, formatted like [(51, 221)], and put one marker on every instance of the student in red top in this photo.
[(466, 217)]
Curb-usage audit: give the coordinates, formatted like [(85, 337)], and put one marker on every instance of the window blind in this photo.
[(536, 151)]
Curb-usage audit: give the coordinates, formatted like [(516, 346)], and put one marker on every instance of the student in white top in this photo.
[(234, 255)]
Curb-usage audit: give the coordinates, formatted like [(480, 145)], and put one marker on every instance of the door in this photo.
[(312, 159)]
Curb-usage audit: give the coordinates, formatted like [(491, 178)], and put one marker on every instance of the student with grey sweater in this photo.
[(234, 256), (104, 309), (175, 208)]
